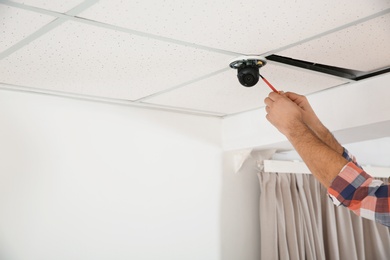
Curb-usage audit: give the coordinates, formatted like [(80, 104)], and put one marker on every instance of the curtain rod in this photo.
[(301, 168)]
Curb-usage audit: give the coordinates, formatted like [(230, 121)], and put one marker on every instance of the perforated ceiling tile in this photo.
[(249, 27), (85, 59), (53, 5), (362, 47), (223, 94), (16, 24)]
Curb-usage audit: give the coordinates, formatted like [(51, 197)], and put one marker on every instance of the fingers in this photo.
[(267, 109), (268, 100), (274, 96), (294, 96), (267, 117), (288, 93)]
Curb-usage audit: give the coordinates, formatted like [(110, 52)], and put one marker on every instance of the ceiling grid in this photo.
[(174, 55)]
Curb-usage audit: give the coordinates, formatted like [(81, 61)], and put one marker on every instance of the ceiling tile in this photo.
[(53, 5), (17, 24), (223, 94), (362, 47), (85, 59), (249, 27)]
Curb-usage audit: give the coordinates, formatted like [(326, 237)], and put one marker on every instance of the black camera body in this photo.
[(248, 69), (248, 76)]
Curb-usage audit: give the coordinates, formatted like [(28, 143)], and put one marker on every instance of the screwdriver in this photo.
[(269, 84)]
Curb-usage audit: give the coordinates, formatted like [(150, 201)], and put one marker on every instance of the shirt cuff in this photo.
[(345, 184)]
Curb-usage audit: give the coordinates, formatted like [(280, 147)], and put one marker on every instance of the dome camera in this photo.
[(248, 76), (248, 69)]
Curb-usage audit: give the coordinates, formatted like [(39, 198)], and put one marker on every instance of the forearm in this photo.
[(324, 161), (298, 122), (325, 135)]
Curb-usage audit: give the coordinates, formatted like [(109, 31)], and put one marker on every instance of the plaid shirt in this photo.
[(358, 191)]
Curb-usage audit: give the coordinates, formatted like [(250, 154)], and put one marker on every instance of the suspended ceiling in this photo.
[(175, 54)]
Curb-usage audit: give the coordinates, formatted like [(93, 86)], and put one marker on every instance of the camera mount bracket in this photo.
[(252, 61)]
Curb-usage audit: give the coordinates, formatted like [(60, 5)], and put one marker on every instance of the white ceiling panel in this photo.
[(223, 94), (16, 24), (84, 59), (362, 47), (249, 27), (53, 5), (174, 54)]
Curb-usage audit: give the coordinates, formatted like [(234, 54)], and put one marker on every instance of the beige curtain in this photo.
[(298, 221)]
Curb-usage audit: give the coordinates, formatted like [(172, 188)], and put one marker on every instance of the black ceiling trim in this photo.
[(331, 70), (374, 73)]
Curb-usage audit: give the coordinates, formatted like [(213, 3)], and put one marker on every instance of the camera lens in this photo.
[(249, 79), (248, 76)]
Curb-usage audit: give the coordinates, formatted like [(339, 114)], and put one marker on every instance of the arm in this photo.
[(324, 162), (347, 183), (313, 122)]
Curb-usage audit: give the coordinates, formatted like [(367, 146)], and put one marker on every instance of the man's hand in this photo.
[(283, 113)]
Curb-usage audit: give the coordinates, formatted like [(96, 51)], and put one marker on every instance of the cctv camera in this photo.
[(248, 76), (248, 69)]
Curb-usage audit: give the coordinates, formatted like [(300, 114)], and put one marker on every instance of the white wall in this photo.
[(86, 180), (374, 152), (240, 226)]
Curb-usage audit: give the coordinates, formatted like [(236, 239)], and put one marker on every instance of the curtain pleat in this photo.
[(298, 221), (268, 215), (298, 216)]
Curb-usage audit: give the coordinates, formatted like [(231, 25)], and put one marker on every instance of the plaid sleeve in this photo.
[(358, 191)]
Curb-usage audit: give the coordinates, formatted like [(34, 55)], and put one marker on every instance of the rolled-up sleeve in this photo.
[(358, 191)]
